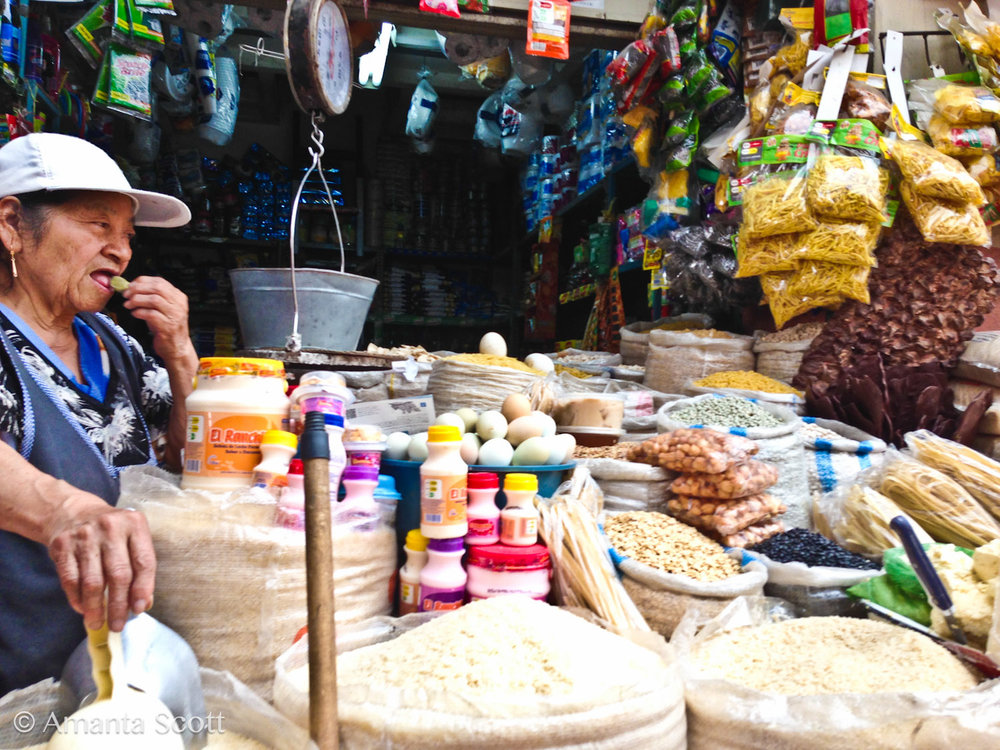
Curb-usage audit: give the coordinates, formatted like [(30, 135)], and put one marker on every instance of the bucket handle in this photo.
[(294, 341)]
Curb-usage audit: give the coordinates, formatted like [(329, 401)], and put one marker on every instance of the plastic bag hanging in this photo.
[(423, 109), (487, 129)]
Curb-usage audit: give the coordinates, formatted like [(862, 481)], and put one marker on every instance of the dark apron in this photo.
[(38, 628)]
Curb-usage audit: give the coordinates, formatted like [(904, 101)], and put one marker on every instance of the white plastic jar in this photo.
[(498, 569), (235, 401)]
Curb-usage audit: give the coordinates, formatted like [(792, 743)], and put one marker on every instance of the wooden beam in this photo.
[(584, 32)]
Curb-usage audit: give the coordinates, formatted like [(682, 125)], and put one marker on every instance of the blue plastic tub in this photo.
[(407, 476)]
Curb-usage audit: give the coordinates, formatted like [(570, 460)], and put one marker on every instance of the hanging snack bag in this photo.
[(832, 241), (121, 25), (147, 31), (641, 123), (848, 181), (548, 28), (931, 173), (669, 198), (957, 139), (774, 201), (766, 254), (128, 81), (815, 279), (444, 7), (87, 34), (156, 7), (863, 101), (945, 221), (986, 170), (784, 305)]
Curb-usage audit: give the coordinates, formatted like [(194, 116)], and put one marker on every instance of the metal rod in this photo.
[(315, 449)]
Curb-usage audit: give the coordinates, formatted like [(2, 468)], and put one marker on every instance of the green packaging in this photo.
[(128, 82), (87, 34)]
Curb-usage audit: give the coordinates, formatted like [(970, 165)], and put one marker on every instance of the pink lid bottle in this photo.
[(483, 513)]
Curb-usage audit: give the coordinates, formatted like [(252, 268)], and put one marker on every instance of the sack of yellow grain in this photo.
[(748, 384)]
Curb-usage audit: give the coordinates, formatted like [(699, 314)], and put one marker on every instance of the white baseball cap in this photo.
[(49, 161)]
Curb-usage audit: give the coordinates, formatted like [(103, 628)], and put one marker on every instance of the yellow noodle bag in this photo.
[(847, 242), (816, 279), (776, 204), (847, 187), (766, 254), (957, 139), (784, 305), (985, 170), (967, 104), (945, 221), (932, 173)]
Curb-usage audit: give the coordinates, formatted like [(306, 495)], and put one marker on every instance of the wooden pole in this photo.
[(315, 450)]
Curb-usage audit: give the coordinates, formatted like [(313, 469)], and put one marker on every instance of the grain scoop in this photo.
[(146, 659)]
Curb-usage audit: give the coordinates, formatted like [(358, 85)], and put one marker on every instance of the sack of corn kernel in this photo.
[(666, 565), (779, 354), (233, 584), (239, 717), (746, 384), (478, 381), (756, 678), (678, 357), (774, 428), (635, 336), (836, 453), (574, 686)]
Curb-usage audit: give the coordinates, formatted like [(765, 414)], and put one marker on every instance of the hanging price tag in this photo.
[(548, 29)]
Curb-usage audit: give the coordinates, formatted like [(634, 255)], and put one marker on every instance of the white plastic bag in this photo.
[(487, 129), (423, 111)]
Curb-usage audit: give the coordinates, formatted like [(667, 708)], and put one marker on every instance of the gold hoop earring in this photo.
[(13, 264)]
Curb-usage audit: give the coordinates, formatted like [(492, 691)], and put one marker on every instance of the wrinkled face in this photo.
[(69, 260)]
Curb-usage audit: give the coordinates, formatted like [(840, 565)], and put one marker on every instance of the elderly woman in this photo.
[(79, 399)]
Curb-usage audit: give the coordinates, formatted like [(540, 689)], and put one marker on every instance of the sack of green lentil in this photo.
[(678, 357), (233, 584), (775, 429), (667, 565), (519, 682), (836, 453), (756, 679), (634, 346), (779, 354), (781, 394)]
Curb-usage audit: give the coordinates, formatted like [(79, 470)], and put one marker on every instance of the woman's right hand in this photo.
[(98, 548)]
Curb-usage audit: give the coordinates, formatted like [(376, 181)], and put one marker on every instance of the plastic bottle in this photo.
[(443, 485), (483, 513), (359, 500), (519, 519), (277, 448), (291, 510), (442, 579), (409, 575), (498, 569), (338, 456), (388, 498), (235, 401)]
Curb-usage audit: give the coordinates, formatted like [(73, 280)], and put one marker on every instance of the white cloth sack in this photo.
[(676, 358), (634, 345), (835, 463)]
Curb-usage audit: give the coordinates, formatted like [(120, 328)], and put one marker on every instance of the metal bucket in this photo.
[(333, 307)]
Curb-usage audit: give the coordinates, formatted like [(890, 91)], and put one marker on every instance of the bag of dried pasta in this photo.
[(957, 139), (785, 305), (932, 173), (766, 254), (967, 104), (776, 204), (816, 279), (985, 170), (945, 221), (848, 181), (848, 242)]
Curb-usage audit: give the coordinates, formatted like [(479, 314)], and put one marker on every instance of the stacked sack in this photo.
[(978, 370), (720, 489)]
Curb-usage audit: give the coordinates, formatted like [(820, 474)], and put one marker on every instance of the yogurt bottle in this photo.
[(442, 579)]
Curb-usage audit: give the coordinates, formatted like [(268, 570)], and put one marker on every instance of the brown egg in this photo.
[(514, 406)]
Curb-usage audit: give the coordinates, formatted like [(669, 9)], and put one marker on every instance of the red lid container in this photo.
[(483, 480), (505, 557)]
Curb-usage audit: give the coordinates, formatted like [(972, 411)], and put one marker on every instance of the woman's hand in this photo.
[(164, 308), (97, 547)]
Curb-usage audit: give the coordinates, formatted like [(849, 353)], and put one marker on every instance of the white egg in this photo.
[(496, 452), (493, 343), (448, 418), (491, 424), (470, 448), (469, 416), (563, 451), (532, 452), (540, 362), (396, 446), (525, 427), (418, 447), (550, 424)]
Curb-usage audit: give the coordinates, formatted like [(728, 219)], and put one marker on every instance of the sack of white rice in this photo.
[(753, 680), (634, 346), (478, 381), (507, 672), (236, 718), (233, 584)]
